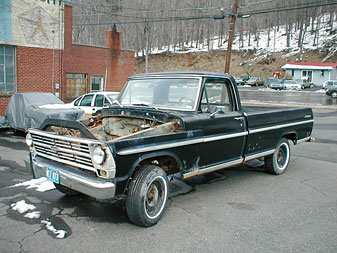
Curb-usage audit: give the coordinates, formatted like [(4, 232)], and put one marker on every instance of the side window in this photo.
[(106, 101), (216, 96), (99, 100), (77, 101), (86, 101)]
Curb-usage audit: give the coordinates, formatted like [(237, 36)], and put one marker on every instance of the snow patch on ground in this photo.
[(60, 234), (321, 91), (33, 215), (41, 184), (21, 206)]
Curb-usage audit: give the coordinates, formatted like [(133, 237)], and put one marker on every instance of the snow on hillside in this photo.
[(275, 45)]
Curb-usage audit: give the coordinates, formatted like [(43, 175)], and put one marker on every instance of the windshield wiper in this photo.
[(147, 105), (117, 102)]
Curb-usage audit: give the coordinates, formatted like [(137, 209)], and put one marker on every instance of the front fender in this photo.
[(152, 155)]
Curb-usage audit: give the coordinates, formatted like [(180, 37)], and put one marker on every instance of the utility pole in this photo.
[(146, 33), (231, 35)]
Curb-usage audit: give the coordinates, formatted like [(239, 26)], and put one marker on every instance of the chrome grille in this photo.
[(64, 150)]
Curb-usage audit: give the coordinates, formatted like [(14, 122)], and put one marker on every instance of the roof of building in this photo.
[(310, 65)]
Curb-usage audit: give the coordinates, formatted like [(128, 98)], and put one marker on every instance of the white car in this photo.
[(93, 102), (329, 84), (292, 85)]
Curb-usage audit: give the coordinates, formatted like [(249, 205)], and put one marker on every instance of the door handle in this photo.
[(238, 118)]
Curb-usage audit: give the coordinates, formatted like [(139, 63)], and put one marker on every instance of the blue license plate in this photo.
[(53, 175)]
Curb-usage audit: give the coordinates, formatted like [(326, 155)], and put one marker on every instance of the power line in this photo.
[(163, 11), (125, 14), (177, 18), (148, 20), (289, 8), (262, 2)]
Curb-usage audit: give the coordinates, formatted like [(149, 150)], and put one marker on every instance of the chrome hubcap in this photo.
[(282, 156), (155, 197)]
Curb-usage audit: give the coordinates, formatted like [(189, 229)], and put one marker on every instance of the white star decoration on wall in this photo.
[(38, 26)]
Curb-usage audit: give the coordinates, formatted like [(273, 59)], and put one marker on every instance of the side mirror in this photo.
[(212, 115)]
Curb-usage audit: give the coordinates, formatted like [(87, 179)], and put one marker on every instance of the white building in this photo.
[(315, 72)]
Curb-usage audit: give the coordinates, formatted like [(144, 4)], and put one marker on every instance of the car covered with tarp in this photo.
[(25, 110)]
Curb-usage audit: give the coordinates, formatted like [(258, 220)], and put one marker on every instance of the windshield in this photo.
[(112, 96), (169, 93), (274, 80), (290, 82)]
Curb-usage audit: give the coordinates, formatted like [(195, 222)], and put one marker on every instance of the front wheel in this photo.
[(277, 163), (147, 196), (334, 94)]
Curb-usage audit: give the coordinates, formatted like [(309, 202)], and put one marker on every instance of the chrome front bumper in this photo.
[(75, 179)]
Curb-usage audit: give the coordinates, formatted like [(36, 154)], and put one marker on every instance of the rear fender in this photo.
[(290, 136)]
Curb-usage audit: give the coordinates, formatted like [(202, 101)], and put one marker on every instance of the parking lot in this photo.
[(242, 209)]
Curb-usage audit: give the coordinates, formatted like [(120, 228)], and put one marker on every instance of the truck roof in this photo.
[(180, 74)]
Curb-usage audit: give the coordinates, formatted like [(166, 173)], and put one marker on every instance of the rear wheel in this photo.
[(65, 190), (147, 196), (277, 163), (334, 94)]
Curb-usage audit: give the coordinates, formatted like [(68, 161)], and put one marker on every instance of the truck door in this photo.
[(223, 126)]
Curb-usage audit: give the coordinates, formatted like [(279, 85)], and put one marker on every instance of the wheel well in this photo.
[(291, 136), (167, 163)]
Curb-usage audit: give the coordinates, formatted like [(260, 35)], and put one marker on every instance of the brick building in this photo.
[(37, 54)]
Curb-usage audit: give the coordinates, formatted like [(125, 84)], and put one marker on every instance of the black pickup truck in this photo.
[(163, 124)]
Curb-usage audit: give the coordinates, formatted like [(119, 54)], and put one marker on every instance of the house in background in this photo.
[(315, 72), (37, 53)]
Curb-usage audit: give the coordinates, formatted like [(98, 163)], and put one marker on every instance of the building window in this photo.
[(7, 69), (292, 72), (76, 85), (307, 75), (322, 73), (96, 83)]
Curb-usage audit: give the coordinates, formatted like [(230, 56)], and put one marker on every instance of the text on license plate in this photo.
[(53, 175)]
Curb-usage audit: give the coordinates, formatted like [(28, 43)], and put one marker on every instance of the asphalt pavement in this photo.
[(242, 209)]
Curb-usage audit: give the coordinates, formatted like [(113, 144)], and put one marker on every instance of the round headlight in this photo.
[(98, 155), (29, 140)]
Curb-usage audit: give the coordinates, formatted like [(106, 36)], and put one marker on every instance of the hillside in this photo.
[(215, 62), (260, 58)]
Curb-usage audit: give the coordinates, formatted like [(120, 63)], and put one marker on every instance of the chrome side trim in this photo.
[(136, 150), (258, 155), (304, 139), (227, 136), (253, 131), (130, 151), (211, 168)]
